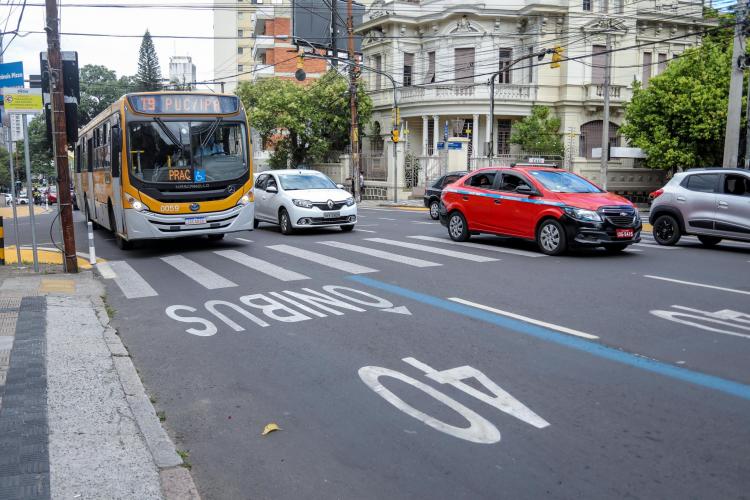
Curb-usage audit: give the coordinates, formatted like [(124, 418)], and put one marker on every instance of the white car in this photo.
[(296, 199)]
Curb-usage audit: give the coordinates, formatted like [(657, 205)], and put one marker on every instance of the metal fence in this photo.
[(374, 167)]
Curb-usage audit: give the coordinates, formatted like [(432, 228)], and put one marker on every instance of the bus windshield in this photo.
[(187, 151)]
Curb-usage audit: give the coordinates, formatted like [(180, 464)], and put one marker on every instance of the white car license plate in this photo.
[(331, 215), (195, 220)]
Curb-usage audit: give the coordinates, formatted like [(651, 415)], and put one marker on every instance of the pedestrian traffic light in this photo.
[(394, 135), (556, 57), (300, 73)]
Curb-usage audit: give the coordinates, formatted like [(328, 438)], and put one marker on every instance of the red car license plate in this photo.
[(624, 233)]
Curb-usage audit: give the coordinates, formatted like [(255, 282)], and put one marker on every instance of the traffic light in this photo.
[(556, 57), (394, 135), (300, 74)]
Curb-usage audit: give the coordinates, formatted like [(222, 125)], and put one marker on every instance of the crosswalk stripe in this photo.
[(106, 271), (656, 245), (323, 260), (262, 266), (439, 251), (196, 272), (380, 254), (479, 246), (244, 240), (131, 283)]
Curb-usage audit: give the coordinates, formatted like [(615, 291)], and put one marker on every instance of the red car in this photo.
[(553, 207)]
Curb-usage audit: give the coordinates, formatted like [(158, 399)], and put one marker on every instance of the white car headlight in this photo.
[(583, 215), (137, 205), (349, 202), (303, 203)]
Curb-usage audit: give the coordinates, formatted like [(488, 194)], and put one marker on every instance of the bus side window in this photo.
[(90, 154), (79, 160)]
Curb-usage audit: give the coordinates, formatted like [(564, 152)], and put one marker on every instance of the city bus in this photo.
[(166, 165)]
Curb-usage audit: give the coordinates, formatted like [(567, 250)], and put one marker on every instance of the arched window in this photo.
[(591, 137), (377, 144)]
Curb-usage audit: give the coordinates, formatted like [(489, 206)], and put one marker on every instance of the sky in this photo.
[(119, 54)]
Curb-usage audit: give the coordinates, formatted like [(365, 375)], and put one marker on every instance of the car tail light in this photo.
[(654, 195)]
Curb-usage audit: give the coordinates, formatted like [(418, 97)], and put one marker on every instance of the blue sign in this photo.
[(441, 145), (454, 145), (11, 74), (199, 176), (445, 131)]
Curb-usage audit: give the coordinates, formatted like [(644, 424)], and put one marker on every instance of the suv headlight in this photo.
[(303, 203), (137, 205), (349, 202), (582, 214)]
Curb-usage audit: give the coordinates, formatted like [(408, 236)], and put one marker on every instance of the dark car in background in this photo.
[(432, 193)]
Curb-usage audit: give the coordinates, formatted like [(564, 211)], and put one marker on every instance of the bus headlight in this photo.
[(246, 199), (137, 205)]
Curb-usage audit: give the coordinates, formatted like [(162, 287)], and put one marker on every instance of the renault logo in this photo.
[(195, 207), (330, 204)]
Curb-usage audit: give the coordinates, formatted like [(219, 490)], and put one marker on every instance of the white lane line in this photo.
[(380, 254), (701, 285), (479, 246), (106, 271), (385, 218), (131, 283), (440, 251), (526, 319), (423, 222), (660, 247), (196, 272), (262, 266), (367, 225), (243, 239), (366, 231), (633, 250), (323, 260)]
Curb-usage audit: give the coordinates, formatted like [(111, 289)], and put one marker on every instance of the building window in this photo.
[(598, 64), (503, 137), (379, 68), (377, 144), (619, 7), (646, 76), (240, 33), (591, 137), (531, 66), (506, 57), (662, 63), (464, 66), (430, 73), (240, 50), (587, 5), (240, 68), (408, 69), (431, 137)]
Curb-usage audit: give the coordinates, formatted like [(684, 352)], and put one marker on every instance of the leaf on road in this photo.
[(270, 428)]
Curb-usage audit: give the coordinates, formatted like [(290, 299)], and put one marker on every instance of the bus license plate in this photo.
[(195, 220), (331, 215)]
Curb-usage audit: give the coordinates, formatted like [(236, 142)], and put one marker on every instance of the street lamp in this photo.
[(540, 55)]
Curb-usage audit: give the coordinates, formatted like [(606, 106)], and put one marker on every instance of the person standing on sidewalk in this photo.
[(361, 185)]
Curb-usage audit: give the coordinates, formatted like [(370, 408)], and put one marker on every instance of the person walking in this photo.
[(361, 185)]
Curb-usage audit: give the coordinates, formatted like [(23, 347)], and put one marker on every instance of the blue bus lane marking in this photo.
[(701, 379)]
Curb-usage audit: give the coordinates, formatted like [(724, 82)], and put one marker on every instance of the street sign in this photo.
[(454, 145), (11, 74), (441, 145), (22, 101)]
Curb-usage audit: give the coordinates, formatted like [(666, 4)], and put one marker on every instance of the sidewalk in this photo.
[(75, 421), (416, 205)]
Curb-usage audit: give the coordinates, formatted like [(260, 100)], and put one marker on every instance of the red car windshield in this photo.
[(563, 182)]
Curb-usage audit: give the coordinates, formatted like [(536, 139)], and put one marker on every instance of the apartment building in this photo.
[(441, 53)]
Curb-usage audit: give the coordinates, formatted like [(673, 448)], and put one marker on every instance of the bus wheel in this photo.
[(88, 213), (122, 243)]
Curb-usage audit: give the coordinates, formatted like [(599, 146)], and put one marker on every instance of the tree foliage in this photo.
[(148, 77), (539, 133), (679, 120), (100, 87), (40, 155), (302, 122)]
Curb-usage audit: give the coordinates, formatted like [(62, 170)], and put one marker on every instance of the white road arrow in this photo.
[(398, 310)]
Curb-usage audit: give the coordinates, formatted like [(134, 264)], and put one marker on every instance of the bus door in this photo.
[(89, 175), (115, 154)]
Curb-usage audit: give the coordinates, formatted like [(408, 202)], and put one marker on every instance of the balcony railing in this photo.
[(421, 94), (617, 93)]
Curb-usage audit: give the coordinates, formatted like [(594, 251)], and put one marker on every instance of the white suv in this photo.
[(711, 203)]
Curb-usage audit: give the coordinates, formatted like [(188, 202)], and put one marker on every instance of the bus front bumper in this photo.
[(149, 225)]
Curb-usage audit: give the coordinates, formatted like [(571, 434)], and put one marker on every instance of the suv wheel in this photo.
[(666, 230), (435, 209), (709, 241), (551, 238), (457, 228)]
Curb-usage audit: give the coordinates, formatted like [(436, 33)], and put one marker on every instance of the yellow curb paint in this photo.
[(57, 286), (45, 257), (22, 211), (647, 227)]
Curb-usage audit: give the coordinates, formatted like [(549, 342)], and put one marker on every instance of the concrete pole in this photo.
[(14, 199), (425, 134), (29, 188), (734, 108), (603, 167), (435, 134)]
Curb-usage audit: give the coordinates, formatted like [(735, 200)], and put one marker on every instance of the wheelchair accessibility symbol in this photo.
[(199, 176)]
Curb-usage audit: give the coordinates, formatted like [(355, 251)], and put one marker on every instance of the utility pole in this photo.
[(59, 135), (354, 132), (734, 107), (603, 166), (334, 32)]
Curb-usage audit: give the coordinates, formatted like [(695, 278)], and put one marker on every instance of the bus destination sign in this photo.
[(184, 104)]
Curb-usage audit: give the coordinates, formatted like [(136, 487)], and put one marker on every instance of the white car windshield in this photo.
[(294, 182)]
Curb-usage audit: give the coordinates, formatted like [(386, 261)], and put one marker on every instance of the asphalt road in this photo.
[(402, 370)]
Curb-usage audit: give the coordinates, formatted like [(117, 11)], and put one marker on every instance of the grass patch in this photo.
[(111, 311), (162, 416), (184, 455)]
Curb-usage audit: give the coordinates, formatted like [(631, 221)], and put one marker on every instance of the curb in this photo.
[(176, 481), (405, 207)]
